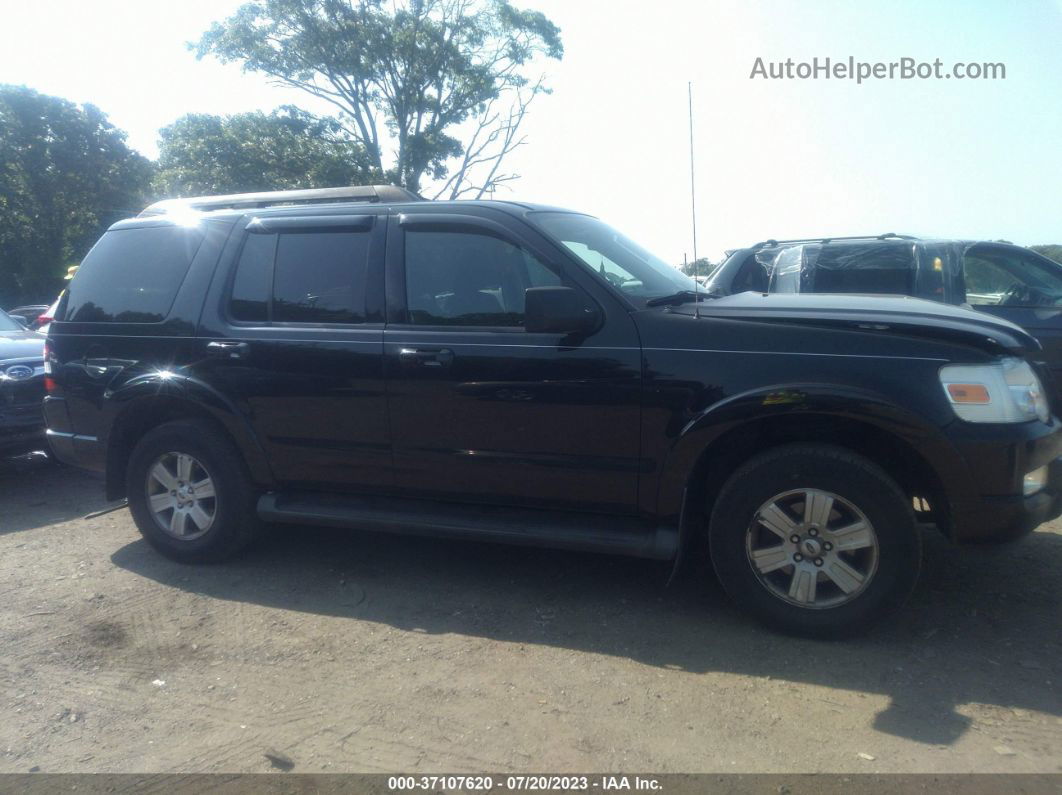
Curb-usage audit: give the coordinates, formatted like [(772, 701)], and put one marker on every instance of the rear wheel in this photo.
[(814, 540), (190, 494)]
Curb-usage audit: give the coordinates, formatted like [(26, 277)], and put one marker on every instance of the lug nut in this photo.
[(818, 561), (814, 531), (795, 539), (798, 557), (827, 546)]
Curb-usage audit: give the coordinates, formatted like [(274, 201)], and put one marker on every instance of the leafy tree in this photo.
[(699, 267), (439, 83), (65, 175), (1053, 251), (286, 149)]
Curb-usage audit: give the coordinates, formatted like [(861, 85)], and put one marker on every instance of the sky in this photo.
[(773, 158)]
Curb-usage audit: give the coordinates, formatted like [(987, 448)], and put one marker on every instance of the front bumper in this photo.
[(21, 417), (1000, 511)]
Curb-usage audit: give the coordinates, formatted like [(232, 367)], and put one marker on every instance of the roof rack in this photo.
[(360, 193), (886, 236)]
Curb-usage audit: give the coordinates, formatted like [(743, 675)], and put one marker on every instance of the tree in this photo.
[(66, 174), (408, 77), (699, 267), (1053, 251), (288, 148)]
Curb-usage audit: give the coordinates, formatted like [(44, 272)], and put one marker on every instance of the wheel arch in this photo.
[(147, 403), (909, 449)]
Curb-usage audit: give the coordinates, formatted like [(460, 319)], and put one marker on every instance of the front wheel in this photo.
[(814, 540)]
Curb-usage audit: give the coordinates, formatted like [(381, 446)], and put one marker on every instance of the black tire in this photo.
[(864, 485), (235, 518)]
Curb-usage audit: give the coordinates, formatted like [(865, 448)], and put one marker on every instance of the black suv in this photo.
[(998, 278), (518, 373)]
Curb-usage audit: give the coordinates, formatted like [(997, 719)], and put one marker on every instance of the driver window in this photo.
[(460, 278), (1009, 280)]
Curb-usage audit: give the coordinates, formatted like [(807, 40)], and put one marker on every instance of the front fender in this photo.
[(795, 402), (172, 391)]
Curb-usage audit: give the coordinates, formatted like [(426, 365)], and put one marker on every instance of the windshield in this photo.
[(9, 324), (616, 258)]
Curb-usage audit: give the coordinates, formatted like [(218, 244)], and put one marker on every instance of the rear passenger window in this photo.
[(301, 277), (132, 275)]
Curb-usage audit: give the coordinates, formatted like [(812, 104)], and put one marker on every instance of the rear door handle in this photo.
[(426, 357), (227, 349)]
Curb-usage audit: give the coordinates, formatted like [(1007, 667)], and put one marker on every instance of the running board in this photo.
[(615, 535)]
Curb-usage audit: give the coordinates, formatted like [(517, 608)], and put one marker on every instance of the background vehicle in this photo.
[(1000, 279), (28, 315), (517, 373), (21, 388)]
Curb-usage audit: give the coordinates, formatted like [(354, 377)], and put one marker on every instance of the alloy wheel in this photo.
[(812, 548)]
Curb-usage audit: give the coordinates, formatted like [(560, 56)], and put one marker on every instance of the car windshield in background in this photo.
[(7, 323), (618, 259)]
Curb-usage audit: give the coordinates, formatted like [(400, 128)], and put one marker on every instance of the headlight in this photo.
[(1007, 391)]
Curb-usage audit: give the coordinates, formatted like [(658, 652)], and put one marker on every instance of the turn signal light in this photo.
[(968, 393)]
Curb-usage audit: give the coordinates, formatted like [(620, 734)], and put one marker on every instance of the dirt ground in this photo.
[(327, 650)]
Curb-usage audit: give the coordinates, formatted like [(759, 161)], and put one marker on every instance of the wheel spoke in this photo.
[(770, 559), (204, 489), (802, 586), (854, 536), (162, 501), (178, 522), (775, 519), (184, 467), (817, 507), (160, 473), (200, 517), (847, 578)]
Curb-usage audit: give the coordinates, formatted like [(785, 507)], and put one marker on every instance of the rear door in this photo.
[(482, 410), (293, 333)]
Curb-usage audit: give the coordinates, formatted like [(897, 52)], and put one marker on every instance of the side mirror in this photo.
[(558, 310)]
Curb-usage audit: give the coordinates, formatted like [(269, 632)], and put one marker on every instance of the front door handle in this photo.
[(227, 349), (426, 357)]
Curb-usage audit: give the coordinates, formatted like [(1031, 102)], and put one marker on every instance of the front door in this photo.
[(480, 409)]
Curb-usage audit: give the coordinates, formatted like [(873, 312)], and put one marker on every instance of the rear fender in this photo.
[(159, 396)]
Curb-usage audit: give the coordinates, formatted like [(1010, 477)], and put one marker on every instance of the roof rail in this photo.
[(359, 193), (886, 236)]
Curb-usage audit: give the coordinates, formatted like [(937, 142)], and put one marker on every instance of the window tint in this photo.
[(469, 279), (132, 275), (254, 278), (1005, 279), (301, 277), (320, 277)]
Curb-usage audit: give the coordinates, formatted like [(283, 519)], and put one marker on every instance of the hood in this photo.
[(21, 345), (877, 314)]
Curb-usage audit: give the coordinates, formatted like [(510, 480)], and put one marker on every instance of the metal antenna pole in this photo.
[(693, 208)]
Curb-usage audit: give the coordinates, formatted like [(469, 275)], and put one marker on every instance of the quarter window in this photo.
[(132, 275), (469, 279)]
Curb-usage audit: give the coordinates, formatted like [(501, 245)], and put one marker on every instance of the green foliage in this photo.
[(287, 149), (407, 77), (65, 175), (699, 267), (1053, 251)]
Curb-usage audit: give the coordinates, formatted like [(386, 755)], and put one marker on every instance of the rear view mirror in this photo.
[(558, 310)]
